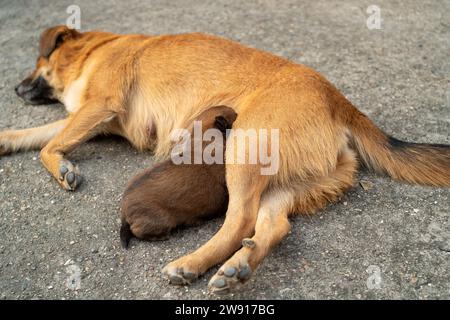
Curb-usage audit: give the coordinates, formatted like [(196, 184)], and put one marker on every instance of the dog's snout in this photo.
[(23, 87), (35, 91)]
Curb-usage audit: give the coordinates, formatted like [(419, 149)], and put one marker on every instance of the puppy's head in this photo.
[(45, 84), (225, 120), (219, 117)]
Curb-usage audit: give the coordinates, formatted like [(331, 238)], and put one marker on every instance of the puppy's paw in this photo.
[(69, 175)]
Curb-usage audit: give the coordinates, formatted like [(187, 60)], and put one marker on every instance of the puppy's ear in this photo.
[(222, 124), (52, 38)]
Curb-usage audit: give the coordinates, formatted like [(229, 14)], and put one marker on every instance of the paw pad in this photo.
[(69, 177), (248, 243), (229, 277)]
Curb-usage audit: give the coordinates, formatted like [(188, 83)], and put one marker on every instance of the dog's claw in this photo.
[(177, 280), (189, 275)]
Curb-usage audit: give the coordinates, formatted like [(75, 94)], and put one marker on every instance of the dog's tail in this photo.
[(418, 163), (125, 234)]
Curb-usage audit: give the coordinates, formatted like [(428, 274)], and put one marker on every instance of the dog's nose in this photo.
[(20, 89)]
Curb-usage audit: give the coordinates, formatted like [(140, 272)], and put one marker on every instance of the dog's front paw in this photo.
[(182, 271), (69, 175)]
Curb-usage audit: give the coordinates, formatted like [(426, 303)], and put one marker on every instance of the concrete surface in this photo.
[(399, 76)]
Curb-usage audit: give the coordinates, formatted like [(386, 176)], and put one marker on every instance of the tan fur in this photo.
[(15, 140), (126, 84)]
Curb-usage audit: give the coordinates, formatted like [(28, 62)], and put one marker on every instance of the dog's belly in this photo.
[(138, 125)]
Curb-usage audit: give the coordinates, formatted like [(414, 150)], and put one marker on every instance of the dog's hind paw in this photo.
[(229, 276), (69, 175)]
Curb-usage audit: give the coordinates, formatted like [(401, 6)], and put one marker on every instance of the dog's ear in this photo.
[(52, 38)]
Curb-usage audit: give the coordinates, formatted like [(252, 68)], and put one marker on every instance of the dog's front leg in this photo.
[(81, 126), (28, 139)]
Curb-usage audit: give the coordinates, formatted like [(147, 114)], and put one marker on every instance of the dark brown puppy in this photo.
[(169, 195)]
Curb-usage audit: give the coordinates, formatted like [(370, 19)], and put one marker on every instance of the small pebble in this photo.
[(366, 185)]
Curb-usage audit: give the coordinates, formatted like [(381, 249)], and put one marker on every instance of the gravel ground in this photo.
[(390, 241)]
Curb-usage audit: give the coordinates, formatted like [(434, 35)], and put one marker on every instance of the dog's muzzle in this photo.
[(35, 91)]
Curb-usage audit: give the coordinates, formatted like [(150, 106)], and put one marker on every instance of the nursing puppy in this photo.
[(171, 195)]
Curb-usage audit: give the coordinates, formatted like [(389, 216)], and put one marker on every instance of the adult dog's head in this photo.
[(46, 84)]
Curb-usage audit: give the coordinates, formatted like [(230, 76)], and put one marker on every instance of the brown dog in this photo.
[(143, 87), (171, 195)]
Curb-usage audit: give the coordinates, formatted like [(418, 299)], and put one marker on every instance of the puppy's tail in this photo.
[(125, 234), (418, 163)]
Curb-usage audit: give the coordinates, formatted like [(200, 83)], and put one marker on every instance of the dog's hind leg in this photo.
[(28, 139), (272, 226), (245, 186), (83, 125)]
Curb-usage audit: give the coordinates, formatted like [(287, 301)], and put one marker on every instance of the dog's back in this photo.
[(167, 196)]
